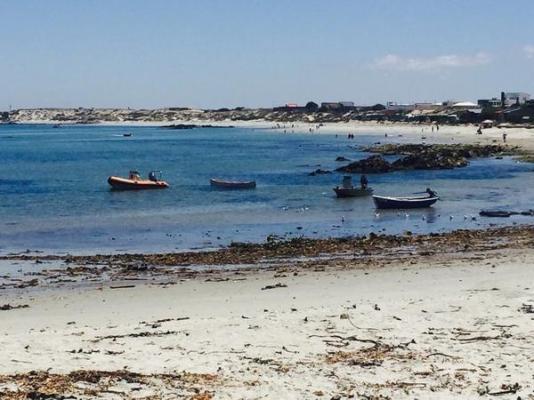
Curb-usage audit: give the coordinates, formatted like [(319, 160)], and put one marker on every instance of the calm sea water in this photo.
[(54, 196)]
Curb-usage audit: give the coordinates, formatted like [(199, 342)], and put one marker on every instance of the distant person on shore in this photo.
[(504, 135), (364, 182), (479, 131), (437, 127)]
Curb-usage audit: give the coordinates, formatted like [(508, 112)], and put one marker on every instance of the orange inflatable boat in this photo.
[(134, 182)]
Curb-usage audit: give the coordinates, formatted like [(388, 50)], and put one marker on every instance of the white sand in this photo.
[(259, 344)]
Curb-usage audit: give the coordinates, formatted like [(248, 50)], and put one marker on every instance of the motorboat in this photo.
[(348, 190), (135, 182), (223, 184), (352, 192)]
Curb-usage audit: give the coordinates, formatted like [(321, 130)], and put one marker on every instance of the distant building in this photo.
[(489, 103), (347, 104), (393, 106), (465, 104), (331, 105), (289, 107), (428, 106), (513, 98)]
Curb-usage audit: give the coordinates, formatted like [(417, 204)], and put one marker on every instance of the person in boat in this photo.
[(134, 176), (152, 176), (431, 193), (364, 182)]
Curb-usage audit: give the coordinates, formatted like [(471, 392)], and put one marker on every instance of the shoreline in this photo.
[(40, 271), (465, 134)]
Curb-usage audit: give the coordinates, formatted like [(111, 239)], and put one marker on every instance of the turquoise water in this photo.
[(54, 196)]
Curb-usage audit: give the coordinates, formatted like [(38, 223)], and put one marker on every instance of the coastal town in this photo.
[(515, 108)]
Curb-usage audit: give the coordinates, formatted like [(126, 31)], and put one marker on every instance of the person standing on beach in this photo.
[(504, 137)]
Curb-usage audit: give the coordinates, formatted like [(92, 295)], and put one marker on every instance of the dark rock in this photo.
[(373, 164), (319, 171), (430, 161), (341, 158)]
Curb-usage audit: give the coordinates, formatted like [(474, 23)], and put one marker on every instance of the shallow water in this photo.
[(54, 196)]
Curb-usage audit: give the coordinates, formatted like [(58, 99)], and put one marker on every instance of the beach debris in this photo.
[(276, 286), (122, 287), (41, 385), (527, 308), (7, 307), (506, 389), (134, 335)]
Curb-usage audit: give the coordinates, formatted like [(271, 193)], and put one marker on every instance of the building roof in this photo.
[(465, 104)]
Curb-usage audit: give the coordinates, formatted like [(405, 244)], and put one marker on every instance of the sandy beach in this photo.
[(425, 325)]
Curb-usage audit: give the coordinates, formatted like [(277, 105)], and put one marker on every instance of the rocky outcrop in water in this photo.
[(443, 150), (320, 171), (373, 164), (421, 156)]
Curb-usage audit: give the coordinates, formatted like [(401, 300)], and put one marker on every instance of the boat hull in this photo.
[(403, 203), (352, 192), (118, 183), (232, 184)]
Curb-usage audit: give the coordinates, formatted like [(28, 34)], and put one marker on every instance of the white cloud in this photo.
[(529, 51), (400, 63)]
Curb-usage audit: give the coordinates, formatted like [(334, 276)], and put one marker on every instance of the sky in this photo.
[(261, 53)]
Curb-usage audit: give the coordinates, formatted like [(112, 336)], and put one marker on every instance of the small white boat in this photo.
[(384, 202), (219, 183)]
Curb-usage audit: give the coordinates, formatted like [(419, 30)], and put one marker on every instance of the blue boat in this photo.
[(384, 202)]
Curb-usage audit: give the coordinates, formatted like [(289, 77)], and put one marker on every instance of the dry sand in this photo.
[(435, 329)]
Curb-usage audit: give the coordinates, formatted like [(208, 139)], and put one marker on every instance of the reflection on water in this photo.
[(54, 195)]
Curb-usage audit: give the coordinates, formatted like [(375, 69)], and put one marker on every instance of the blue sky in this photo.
[(211, 53)]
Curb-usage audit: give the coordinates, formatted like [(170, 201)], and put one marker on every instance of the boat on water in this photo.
[(135, 182), (223, 184), (352, 192), (348, 190), (385, 202)]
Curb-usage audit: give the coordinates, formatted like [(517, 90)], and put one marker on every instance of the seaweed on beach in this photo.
[(298, 253), (89, 384)]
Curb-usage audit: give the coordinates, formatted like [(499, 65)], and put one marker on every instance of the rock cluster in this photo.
[(421, 156), (373, 164), (443, 150)]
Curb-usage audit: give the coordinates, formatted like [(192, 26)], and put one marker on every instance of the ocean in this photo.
[(54, 195)]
